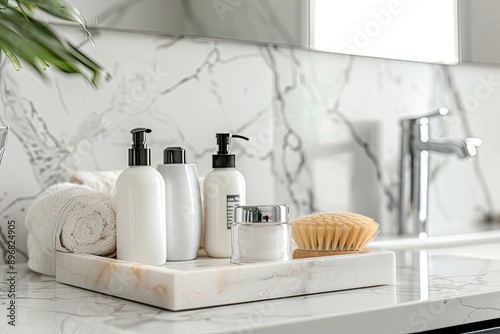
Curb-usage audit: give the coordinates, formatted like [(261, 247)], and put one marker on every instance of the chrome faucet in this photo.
[(414, 170)]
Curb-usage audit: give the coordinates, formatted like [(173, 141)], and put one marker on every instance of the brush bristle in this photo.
[(334, 231)]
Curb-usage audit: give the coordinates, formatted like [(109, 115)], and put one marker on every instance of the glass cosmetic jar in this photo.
[(260, 233)]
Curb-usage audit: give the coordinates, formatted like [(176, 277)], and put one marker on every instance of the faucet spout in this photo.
[(416, 146), (3, 141), (460, 148)]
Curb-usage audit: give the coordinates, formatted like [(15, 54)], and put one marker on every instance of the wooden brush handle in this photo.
[(301, 254)]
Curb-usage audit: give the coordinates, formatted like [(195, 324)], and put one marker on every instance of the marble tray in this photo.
[(210, 282)]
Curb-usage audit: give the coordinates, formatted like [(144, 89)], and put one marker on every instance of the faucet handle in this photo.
[(443, 111), (472, 144)]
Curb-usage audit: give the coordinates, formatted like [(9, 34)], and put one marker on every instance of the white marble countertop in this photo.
[(434, 289)]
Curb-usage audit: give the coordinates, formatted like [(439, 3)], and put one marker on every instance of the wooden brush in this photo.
[(332, 233)]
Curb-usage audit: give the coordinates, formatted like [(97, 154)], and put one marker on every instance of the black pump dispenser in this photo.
[(139, 154), (224, 158)]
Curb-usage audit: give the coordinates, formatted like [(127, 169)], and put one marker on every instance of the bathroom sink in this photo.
[(458, 240)]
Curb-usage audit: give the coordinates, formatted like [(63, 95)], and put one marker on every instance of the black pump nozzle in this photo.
[(224, 158), (139, 137), (139, 154), (224, 142)]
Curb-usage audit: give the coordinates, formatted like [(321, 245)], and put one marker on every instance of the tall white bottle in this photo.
[(183, 204), (140, 207), (223, 188)]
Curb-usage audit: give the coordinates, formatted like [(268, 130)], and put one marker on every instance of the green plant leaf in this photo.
[(13, 58), (38, 45), (62, 10), (26, 39)]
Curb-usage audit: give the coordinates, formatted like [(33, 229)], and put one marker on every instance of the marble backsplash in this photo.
[(324, 128)]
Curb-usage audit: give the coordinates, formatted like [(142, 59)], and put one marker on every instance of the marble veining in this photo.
[(448, 290), (323, 127), (209, 282)]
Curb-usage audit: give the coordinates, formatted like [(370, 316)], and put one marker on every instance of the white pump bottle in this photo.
[(223, 188), (140, 207)]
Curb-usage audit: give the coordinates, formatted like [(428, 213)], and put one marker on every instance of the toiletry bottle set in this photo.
[(159, 211)]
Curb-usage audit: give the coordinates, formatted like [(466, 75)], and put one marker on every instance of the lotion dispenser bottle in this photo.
[(223, 188), (183, 205), (140, 207)]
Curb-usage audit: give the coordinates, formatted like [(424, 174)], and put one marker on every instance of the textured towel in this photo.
[(77, 217), (103, 182)]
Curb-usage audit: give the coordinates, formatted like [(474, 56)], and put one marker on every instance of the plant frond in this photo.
[(25, 38)]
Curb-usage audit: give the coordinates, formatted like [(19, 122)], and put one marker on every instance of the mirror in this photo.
[(443, 32)]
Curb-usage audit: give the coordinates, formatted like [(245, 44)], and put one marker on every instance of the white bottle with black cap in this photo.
[(223, 188), (183, 205), (140, 207)]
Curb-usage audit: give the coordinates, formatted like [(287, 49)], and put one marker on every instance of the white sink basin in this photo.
[(459, 240)]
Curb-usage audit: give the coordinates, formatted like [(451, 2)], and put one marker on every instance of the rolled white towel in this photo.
[(81, 219), (101, 181)]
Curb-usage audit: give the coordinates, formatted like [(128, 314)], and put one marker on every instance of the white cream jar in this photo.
[(260, 233)]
